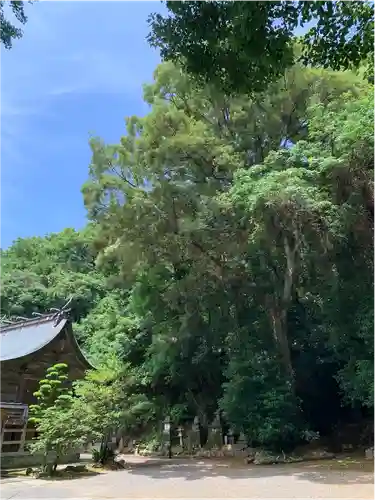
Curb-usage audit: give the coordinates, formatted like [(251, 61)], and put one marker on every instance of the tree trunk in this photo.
[(280, 334), (279, 303)]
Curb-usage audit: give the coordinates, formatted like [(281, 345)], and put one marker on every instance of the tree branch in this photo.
[(120, 175)]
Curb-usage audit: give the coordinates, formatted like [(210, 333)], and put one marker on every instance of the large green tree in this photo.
[(228, 234)]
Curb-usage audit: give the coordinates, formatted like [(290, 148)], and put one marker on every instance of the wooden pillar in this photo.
[(2, 435), (23, 437), (21, 388)]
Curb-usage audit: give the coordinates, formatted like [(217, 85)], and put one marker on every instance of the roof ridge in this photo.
[(21, 340), (56, 314), (29, 321)]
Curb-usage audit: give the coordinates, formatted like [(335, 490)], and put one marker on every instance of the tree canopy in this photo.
[(243, 46)]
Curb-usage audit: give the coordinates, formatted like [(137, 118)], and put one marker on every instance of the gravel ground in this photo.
[(155, 478)]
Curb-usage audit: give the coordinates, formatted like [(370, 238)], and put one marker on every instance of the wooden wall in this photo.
[(20, 379)]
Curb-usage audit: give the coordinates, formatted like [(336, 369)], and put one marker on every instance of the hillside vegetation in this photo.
[(228, 263)]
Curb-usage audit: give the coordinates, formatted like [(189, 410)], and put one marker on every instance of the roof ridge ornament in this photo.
[(56, 314), (5, 321), (40, 315), (61, 313)]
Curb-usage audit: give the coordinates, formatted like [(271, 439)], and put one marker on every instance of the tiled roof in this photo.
[(22, 338)]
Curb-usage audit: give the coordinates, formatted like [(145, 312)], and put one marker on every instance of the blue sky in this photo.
[(78, 70)]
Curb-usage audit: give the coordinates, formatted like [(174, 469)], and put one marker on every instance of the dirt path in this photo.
[(202, 479)]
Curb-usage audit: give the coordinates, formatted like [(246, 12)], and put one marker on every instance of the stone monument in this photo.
[(193, 437), (214, 439)]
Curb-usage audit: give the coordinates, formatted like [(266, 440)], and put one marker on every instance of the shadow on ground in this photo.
[(13, 475), (195, 470), (16, 475)]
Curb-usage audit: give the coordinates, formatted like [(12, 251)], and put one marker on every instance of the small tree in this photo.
[(106, 402), (99, 406), (54, 402)]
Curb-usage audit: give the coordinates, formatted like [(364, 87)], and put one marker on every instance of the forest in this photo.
[(228, 259)]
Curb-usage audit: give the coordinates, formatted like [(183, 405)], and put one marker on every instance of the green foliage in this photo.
[(258, 400), (102, 456), (243, 46), (90, 410), (9, 32), (53, 391), (40, 273), (54, 401)]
